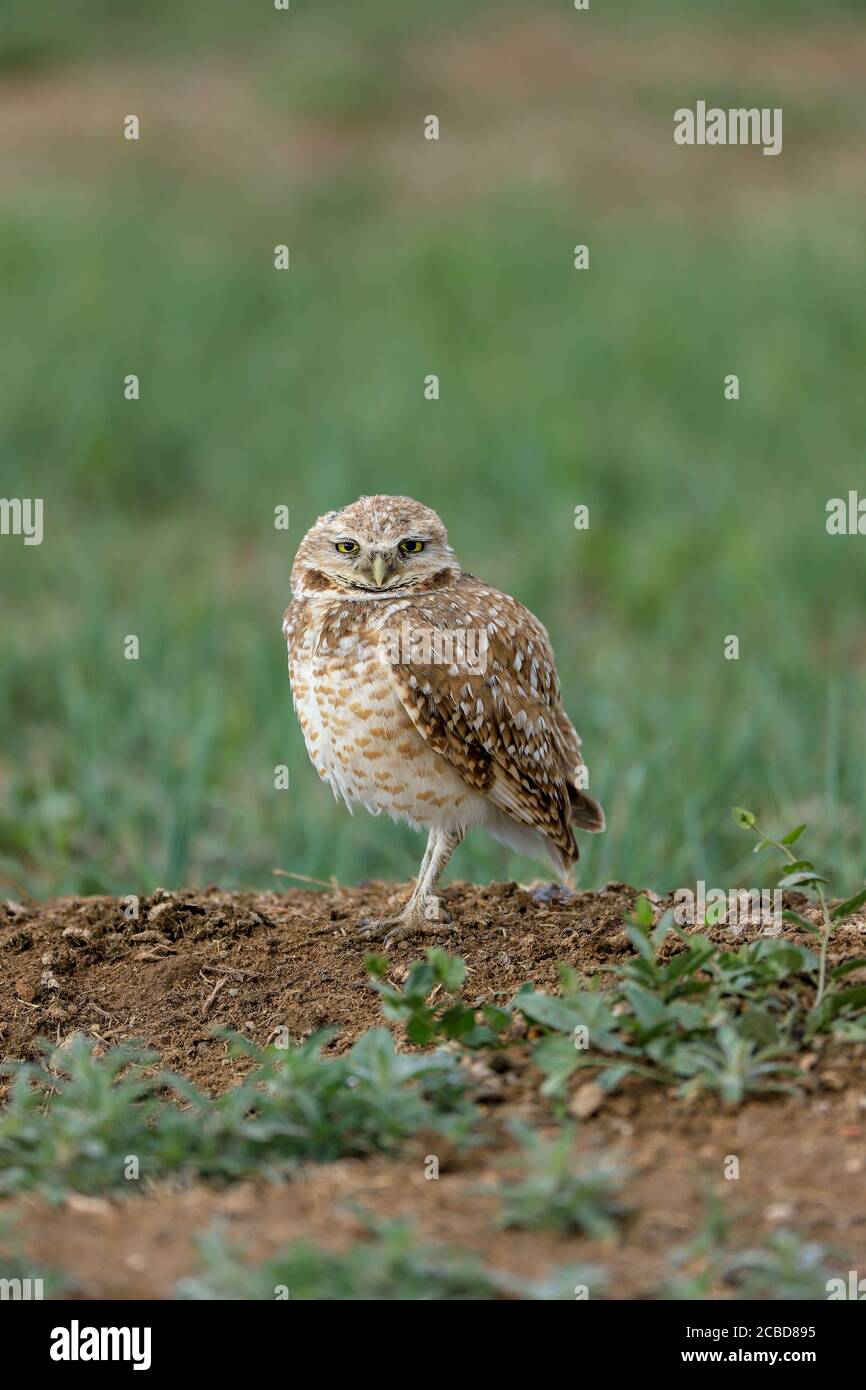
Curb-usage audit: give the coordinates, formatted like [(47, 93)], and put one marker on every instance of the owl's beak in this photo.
[(380, 569)]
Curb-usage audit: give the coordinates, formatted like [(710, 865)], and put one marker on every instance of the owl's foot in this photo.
[(427, 918)]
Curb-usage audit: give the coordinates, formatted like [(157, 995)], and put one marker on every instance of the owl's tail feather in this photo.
[(586, 812)]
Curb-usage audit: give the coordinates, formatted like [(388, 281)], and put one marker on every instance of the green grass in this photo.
[(36, 38), (707, 517)]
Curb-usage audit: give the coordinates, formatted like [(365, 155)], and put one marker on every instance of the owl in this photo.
[(429, 695)]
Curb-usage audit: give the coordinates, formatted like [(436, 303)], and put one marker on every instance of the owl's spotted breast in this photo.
[(358, 733)]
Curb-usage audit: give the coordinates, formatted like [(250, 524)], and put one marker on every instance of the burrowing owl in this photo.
[(427, 694)]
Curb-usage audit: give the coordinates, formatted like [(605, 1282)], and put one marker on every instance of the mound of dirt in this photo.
[(121, 970), (167, 969)]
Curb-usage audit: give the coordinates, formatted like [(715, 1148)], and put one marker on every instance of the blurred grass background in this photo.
[(306, 389)]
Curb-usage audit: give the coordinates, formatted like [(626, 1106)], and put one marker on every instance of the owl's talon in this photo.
[(414, 923), (422, 928), (374, 928)]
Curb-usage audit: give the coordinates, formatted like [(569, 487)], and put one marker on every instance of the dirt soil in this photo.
[(257, 962)]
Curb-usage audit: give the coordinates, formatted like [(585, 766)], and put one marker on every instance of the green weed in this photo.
[(75, 1120), (560, 1192), (784, 1267), (833, 1001), (391, 1264), (448, 1018)]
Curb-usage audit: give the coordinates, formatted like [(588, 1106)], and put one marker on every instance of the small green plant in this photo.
[(700, 1019), (388, 1265), (784, 1267), (73, 1118), (767, 969), (297, 1105), (559, 1192), (832, 1000), (426, 1015), (733, 1065)]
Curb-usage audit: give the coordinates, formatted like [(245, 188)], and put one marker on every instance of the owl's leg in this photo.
[(441, 844), (422, 914)]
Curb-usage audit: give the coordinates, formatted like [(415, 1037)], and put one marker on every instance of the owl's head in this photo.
[(372, 548)]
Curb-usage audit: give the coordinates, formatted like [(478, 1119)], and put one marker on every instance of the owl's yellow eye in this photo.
[(347, 547), (411, 547)]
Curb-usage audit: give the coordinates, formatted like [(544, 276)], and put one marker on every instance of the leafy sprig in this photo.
[(801, 874)]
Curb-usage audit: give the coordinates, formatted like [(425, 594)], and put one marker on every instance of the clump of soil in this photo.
[(166, 970), (293, 960)]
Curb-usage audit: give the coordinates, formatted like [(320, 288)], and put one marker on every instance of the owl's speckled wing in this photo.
[(500, 725)]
